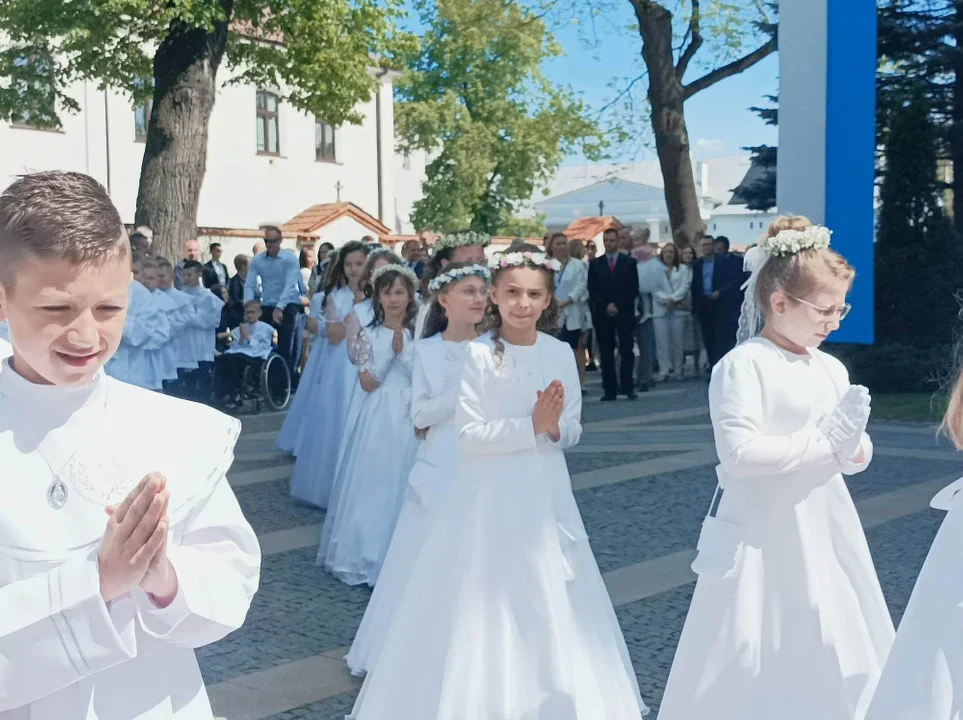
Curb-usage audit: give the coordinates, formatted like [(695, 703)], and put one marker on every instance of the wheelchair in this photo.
[(268, 385)]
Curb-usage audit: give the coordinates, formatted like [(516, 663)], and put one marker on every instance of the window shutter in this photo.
[(338, 153)]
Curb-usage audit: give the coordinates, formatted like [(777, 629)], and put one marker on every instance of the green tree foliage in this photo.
[(918, 262), (761, 193), (920, 53), (476, 99), (318, 53)]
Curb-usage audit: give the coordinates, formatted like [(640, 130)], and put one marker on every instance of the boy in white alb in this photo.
[(203, 334), (145, 330), (252, 341), (118, 556), (184, 357)]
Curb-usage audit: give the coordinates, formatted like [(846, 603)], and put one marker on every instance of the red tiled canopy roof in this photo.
[(586, 228), (309, 222)]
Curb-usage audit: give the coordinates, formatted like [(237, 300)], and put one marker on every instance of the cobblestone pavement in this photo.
[(284, 663)]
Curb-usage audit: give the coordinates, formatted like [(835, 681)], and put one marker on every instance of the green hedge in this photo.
[(896, 368)]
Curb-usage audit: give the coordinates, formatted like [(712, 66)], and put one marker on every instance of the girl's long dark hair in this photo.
[(547, 323), (386, 280), (337, 278), (373, 257), (437, 319)]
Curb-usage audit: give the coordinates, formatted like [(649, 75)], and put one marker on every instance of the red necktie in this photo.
[(611, 264)]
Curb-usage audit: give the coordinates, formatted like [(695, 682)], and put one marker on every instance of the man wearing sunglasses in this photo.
[(279, 274)]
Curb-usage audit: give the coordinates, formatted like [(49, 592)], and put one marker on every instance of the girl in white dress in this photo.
[(460, 295), (381, 447), (310, 384), (923, 677), (320, 439), (357, 342), (505, 614), (788, 619)]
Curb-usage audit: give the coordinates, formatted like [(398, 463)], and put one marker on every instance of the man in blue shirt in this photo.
[(279, 274)]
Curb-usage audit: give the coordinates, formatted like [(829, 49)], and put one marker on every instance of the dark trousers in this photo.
[(708, 314), (229, 373), (609, 329), (290, 333), (196, 384)]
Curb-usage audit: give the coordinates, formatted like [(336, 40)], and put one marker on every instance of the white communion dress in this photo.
[(434, 398), (923, 677), (65, 654), (505, 615), (372, 475), (320, 439), (788, 619), (310, 385)]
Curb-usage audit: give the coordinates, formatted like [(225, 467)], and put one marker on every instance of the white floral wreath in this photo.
[(517, 259), (462, 239), (457, 274), (400, 269), (791, 242)]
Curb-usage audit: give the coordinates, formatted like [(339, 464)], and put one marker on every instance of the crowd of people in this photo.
[(640, 311), (433, 430)]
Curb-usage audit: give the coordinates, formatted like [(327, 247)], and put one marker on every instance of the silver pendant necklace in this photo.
[(57, 492)]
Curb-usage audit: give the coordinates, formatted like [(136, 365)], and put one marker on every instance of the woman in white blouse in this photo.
[(669, 313), (571, 292)]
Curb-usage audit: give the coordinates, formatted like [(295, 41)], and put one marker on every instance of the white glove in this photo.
[(845, 425)]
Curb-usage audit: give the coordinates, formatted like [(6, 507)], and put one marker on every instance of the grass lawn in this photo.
[(922, 407)]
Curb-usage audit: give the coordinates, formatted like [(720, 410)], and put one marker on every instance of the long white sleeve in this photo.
[(570, 424), (681, 283), (218, 562), (157, 325), (579, 292), (481, 435), (55, 630), (428, 408), (359, 344), (736, 407)]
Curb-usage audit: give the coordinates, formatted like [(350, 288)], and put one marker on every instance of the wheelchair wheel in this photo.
[(275, 382)]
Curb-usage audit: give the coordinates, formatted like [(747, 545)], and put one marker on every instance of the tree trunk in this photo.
[(667, 101), (175, 156)]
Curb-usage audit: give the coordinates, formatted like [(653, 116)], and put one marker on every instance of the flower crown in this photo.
[(461, 239), (518, 259), (400, 269), (791, 242), (458, 274)]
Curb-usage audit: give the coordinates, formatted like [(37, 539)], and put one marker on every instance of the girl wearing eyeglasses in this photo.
[(788, 619)]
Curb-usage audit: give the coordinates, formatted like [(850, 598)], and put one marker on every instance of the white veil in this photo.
[(751, 316)]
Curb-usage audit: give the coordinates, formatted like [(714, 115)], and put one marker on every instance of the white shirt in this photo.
[(64, 653), (258, 343)]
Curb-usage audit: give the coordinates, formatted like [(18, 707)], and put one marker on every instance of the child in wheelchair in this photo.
[(251, 344)]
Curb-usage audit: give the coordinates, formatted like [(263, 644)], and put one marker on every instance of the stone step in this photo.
[(261, 422)]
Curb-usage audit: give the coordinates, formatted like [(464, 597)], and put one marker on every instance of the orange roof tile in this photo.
[(236, 232), (316, 217), (586, 228)]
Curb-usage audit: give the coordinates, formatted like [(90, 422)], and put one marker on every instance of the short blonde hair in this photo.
[(798, 274)]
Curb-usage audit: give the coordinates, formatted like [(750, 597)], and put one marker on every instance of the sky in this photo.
[(719, 120)]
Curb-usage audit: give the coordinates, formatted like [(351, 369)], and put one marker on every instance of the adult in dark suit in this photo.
[(215, 272), (717, 279), (411, 252), (613, 284)]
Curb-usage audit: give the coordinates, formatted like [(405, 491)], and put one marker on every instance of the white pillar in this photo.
[(827, 133)]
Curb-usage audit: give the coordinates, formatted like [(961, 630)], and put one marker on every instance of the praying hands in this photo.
[(134, 549)]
